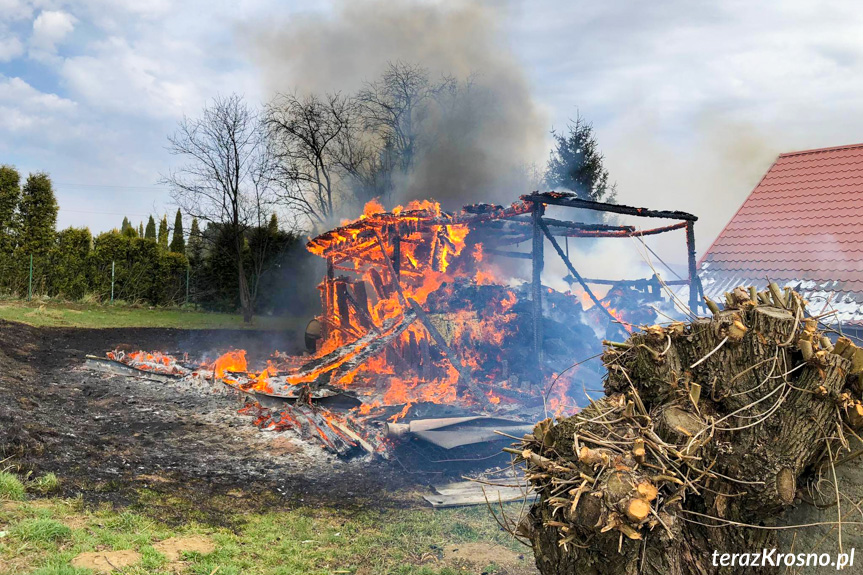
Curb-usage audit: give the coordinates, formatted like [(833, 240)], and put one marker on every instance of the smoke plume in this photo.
[(481, 147)]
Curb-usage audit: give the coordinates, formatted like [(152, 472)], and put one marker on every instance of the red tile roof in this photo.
[(803, 222)]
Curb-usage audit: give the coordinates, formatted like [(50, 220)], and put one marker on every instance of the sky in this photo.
[(691, 102)]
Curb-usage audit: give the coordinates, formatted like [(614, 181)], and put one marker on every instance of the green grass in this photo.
[(43, 536), (88, 315), (44, 484), (40, 529), (10, 487)]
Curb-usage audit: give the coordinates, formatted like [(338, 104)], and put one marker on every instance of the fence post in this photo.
[(187, 285), (30, 284), (112, 281)]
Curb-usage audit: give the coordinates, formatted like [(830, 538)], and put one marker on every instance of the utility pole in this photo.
[(112, 281)]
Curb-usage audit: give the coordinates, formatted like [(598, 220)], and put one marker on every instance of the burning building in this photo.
[(428, 329)]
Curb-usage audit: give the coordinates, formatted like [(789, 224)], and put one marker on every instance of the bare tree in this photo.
[(227, 177), (312, 142), (399, 105), (336, 152)]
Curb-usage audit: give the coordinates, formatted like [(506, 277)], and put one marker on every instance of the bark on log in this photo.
[(703, 426)]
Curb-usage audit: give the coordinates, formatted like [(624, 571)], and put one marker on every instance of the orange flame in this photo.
[(234, 361)]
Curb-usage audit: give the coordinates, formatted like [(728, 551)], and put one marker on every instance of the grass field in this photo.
[(44, 536), (67, 314)]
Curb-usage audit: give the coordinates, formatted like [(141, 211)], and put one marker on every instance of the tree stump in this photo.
[(706, 428)]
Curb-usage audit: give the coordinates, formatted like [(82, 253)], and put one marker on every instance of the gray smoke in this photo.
[(481, 147)]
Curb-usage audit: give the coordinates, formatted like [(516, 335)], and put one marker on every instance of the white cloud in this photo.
[(24, 109), (120, 78), (10, 47), (11, 10), (692, 101), (50, 28)]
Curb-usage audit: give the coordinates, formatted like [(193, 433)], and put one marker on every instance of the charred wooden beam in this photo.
[(395, 240), (412, 352), (394, 358), (347, 357), (360, 297), (517, 227), (426, 365), (378, 284), (464, 375), (375, 346), (342, 303), (571, 201), (508, 254), (536, 277), (328, 296), (661, 230), (394, 276), (553, 223), (361, 308), (694, 283)]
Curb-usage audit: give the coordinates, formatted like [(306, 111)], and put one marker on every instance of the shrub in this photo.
[(68, 275)]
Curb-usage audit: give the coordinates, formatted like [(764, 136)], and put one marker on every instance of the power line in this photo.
[(103, 213), (155, 189)]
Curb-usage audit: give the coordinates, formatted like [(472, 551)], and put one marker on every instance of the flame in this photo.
[(616, 314), (432, 251), (233, 361), (372, 207)]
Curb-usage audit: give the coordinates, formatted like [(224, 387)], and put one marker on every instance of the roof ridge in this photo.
[(816, 150)]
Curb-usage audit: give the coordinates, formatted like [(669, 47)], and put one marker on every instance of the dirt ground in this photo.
[(108, 436)]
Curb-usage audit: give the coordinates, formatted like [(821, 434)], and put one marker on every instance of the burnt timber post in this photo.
[(693, 273), (536, 292), (395, 239), (328, 297)]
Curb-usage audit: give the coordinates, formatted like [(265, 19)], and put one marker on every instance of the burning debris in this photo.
[(421, 321)]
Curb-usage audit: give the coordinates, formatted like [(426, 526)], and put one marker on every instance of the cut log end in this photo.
[(647, 490), (593, 457), (637, 509), (786, 485), (855, 415)]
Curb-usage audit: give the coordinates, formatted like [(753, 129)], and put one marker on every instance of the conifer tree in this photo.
[(178, 244), (195, 247), (163, 232), (37, 216), (10, 192), (150, 234), (577, 164), (127, 229), (273, 226), (140, 229)]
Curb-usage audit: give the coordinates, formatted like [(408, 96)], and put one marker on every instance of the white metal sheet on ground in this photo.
[(466, 493)]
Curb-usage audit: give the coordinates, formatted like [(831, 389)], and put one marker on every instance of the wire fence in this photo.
[(165, 280)]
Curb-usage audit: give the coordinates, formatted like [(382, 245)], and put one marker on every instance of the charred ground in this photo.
[(109, 436)]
